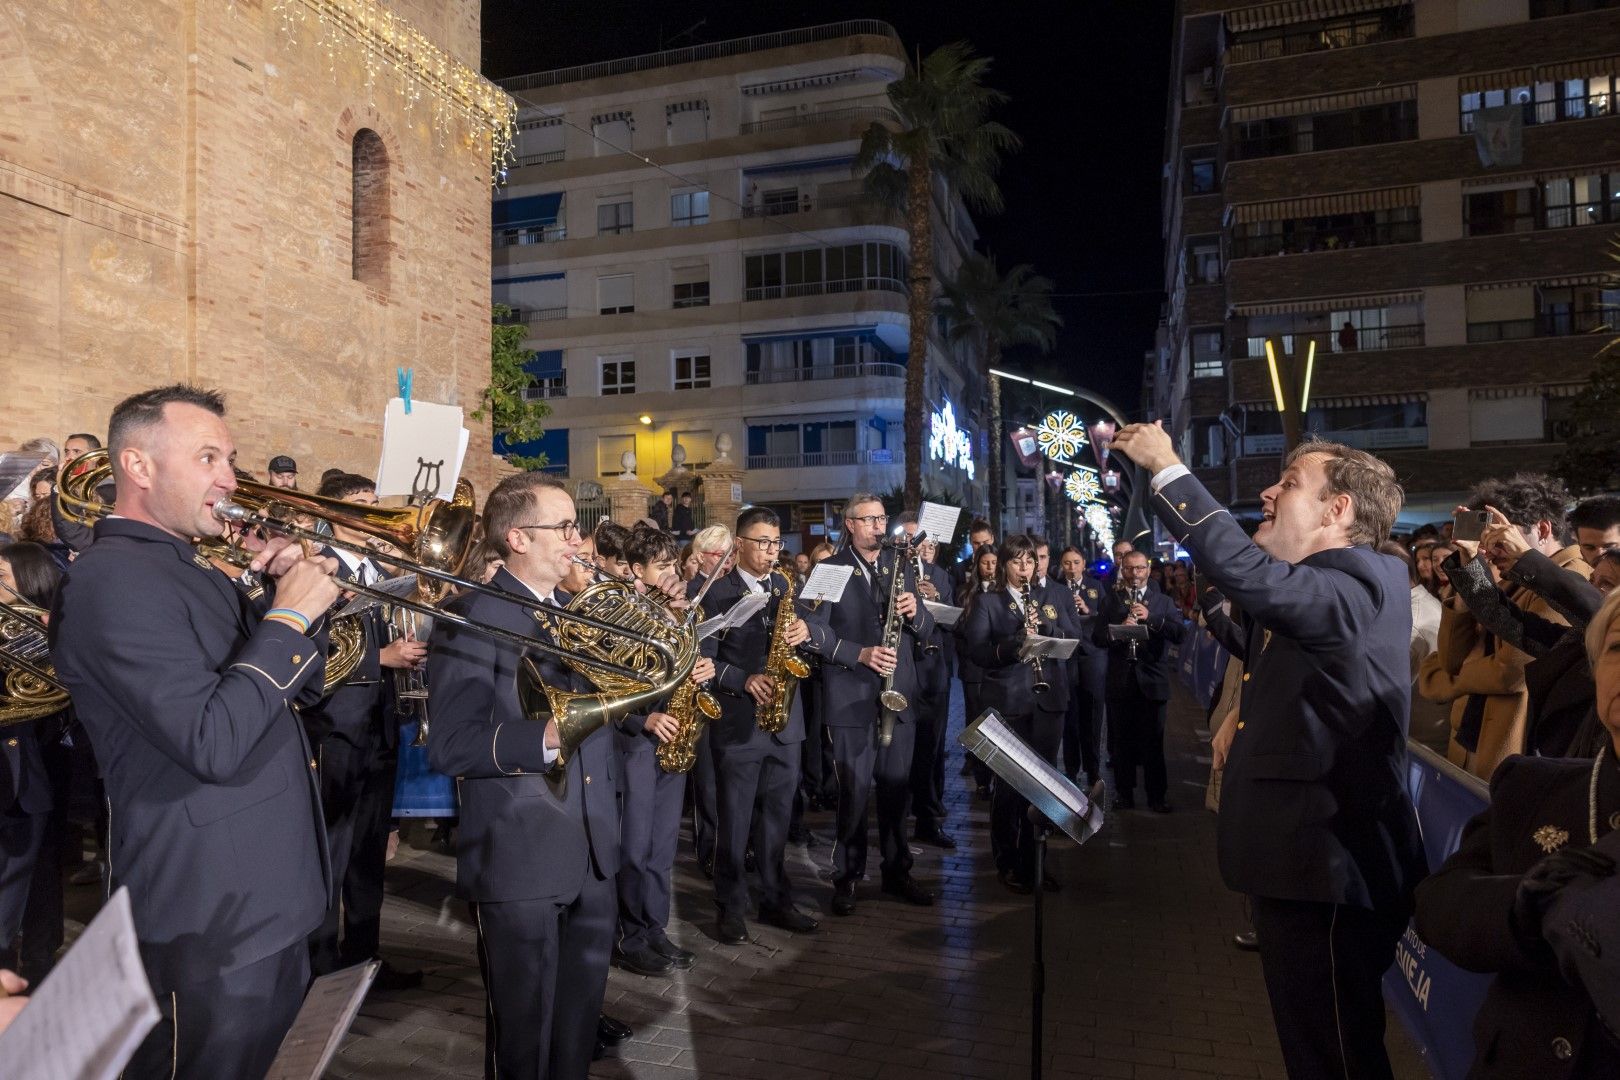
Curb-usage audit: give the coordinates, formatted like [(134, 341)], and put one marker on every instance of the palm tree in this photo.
[(943, 108), (991, 313)]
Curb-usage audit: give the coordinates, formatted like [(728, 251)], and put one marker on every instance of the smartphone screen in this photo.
[(1469, 524)]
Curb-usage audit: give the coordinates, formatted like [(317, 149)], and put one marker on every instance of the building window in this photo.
[(687, 122), (699, 446), (1330, 232), (615, 217), (610, 450), (1208, 352), (779, 201), (692, 371), (1366, 125), (1517, 419), (612, 132), (691, 294), (369, 211), (1548, 101), (1203, 261), (1490, 213), (803, 445), (689, 208), (540, 142), (1517, 312), (618, 376), (616, 294), (1544, 9), (1549, 202), (819, 271), (1580, 200), (1341, 32), (1201, 178), (534, 297), (1395, 325)]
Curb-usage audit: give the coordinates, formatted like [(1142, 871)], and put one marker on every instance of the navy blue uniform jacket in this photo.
[(850, 689), (992, 637), (1314, 804), (517, 838), (187, 698)]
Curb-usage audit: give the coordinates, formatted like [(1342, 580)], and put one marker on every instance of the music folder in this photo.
[(1079, 814), (322, 1021)]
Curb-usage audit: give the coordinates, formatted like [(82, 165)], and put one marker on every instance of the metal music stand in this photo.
[(1055, 802)]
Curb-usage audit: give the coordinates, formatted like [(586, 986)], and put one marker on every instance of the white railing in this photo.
[(818, 372), (807, 461)]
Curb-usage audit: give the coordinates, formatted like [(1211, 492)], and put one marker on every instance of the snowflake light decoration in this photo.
[(1102, 526), (1082, 486), (1060, 435)]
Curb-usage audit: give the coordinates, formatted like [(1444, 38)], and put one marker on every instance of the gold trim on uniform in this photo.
[(1550, 838)]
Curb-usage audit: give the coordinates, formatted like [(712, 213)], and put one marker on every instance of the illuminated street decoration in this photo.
[(947, 442), (1102, 525), (1083, 486), (1061, 435)]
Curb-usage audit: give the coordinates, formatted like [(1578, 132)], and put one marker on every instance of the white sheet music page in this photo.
[(826, 582), (324, 1018), (88, 1016), (938, 521), (944, 614), (734, 616)]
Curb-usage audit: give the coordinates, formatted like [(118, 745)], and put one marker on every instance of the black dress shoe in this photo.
[(643, 962), (390, 978), (1160, 807), (1013, 883), (843, 901), (937, 837), (1124, 802), (681, 958), (1248, 941), (731, 929), (611, 1032), (907, 889), (788, 918)]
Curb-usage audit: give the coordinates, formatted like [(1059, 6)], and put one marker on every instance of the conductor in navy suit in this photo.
[(537, 859), (1315, 825), (185, 687)]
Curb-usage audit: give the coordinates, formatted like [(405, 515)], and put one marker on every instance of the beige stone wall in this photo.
[(175, 192)]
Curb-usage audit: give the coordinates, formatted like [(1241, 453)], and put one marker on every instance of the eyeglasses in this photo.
[(872, 521), (568, 530), (765, 543)]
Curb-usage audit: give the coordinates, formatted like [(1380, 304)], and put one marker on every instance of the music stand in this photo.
[(1054, 802)]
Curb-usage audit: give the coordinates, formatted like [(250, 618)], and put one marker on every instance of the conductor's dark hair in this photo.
[(140, 411)]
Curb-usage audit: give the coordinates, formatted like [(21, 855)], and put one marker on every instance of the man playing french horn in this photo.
[(756, 738)]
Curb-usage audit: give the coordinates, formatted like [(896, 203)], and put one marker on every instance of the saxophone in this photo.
[(693, 708), (783, 665)]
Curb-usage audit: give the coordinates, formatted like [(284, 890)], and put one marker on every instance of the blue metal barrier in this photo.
[(418, 790)]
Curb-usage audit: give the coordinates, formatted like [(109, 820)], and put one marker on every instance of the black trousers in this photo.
[(545, 968), (1083, 722), (1012, 834), (756, 792), (1137, 726), (928, 759), (1324, 965), (818, 779), (357, 796), (21, 837), (862, 766), (649, 832), (704, 812), (229, 1026)]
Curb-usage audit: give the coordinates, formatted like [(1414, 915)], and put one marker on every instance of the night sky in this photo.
[(1087, 82)]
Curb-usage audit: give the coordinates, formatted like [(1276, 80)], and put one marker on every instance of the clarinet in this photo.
[(1032, 627)]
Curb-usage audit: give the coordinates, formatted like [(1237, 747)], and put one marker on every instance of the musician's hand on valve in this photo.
[(308, 586), (906, 605), (760, 688), (880, 659), (796, 634), (663, 725), (703, 670), (404, 653)]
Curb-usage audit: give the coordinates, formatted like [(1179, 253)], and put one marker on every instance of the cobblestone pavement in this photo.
[(1142, 980)]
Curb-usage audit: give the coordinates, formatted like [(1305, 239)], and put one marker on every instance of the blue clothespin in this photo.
[(405, 375)]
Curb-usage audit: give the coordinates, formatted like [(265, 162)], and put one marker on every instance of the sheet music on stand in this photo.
[(1048, 790), (401, 586), (324, 1018), (945, 615), (86, 1019), (1038, 645), (734, 616)]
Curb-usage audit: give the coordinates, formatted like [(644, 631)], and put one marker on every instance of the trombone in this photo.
[(438, 534)]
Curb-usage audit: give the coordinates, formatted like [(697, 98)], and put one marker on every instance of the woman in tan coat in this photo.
[(1483, 680)]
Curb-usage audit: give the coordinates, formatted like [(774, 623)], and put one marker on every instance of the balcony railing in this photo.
[(550, 157), (821, 459), (534, 315), (1546, 324), (545, 389), (818, 372), (824, 288), (1412, 438), (1324, 34), (808, 203), (543, 234), (696, 53), (856, 113), (1308, 237)]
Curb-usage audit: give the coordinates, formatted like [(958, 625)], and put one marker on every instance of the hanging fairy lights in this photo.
[(395, 57)]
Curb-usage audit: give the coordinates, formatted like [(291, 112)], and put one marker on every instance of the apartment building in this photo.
[(692, 254), (1324, 183)]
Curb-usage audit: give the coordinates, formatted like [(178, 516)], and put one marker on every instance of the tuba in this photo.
[(783, 665), (29, 689)]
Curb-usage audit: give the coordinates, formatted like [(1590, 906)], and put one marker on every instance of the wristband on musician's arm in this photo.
[(289, 617)]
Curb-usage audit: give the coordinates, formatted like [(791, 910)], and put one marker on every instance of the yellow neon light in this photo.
[(1276, 378), (1305, 390)]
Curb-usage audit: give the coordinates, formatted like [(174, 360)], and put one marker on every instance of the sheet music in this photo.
[(1038, 645), (990, 740), (826, 582), (401, 586), (328, 1010), (16, 467), (430, 432), (938, 521), (88, 1016), (734, 616), (944, 614)]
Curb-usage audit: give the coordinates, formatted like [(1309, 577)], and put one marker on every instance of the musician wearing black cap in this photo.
[(283, 472)]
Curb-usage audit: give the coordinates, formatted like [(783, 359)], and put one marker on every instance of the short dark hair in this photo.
[(140, 411), (908, 517), (754, 515), (84, 436), (611, 538), (647, 543), (979, 524), (1376, 496), (1600, 512), (36, 572), (1011, 548), (329, 473), (1525, 499), (509, 503), (1153, 564), (345, 485), (1040, 542), (686, 495)]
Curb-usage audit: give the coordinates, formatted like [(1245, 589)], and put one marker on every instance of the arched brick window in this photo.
[(370, 210)]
